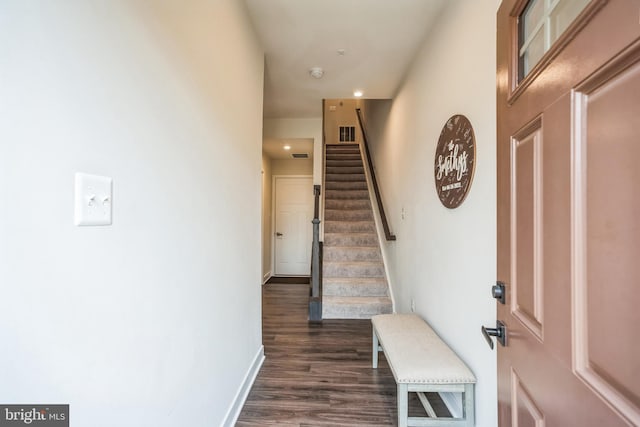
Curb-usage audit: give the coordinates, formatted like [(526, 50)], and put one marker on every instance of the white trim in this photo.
[(266, 277), (377, 219), (241, 395), (453, 402)]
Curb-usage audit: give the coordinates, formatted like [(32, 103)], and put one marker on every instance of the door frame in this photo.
[(273, 217)]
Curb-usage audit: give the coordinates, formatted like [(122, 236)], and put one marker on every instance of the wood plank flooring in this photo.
[(319, 374)]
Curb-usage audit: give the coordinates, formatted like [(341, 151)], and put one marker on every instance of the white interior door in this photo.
[(293, 231)]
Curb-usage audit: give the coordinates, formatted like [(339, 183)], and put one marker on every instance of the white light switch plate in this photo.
[(92, 199)]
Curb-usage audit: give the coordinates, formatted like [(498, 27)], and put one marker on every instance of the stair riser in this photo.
[(332, 148), (348, 289), (345, 185), (345, 177), (345, 170), (349, 227), (334, 269), (346, 194), (337, 253), (350, 239), (343, 163), (347, 204), (331, 311), (341, 215), (343, 157)]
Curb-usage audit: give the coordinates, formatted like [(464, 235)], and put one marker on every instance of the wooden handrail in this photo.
[(315, 297), (385, 224)]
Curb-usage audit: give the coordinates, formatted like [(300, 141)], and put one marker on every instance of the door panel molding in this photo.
[(522, 399), (527, 292), (618, 394)]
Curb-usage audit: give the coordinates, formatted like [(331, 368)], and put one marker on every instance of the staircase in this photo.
[(354, 282)]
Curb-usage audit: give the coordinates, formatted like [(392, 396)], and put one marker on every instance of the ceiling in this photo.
[(379, 38), (274, 148)]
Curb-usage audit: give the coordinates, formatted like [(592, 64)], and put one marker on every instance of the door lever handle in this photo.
[(279, 234), (500, 332)]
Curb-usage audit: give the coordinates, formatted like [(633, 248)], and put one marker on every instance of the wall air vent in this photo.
[(347, 133), (300, 155)]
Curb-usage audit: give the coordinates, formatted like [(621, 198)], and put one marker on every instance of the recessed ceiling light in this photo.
[(357, 93), (287, 147)]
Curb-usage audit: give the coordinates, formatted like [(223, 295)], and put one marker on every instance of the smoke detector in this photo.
[(316, 72)]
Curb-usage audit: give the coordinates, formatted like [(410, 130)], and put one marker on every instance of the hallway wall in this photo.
[(444, 259), (292, 167), (299, 128), (156, 319), (267, 218)]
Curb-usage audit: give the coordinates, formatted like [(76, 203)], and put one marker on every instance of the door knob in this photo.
[(498, 292), (279, 234), (500, 332)]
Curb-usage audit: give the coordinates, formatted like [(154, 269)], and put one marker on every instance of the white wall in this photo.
[(299, 128), (343, 114), (267, 195), (445, 259), (154, 320), (292, 166)]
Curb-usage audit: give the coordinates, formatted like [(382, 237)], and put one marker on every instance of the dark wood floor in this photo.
[(319, 375)]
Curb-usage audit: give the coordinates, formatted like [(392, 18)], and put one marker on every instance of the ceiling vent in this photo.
[(300, 155)]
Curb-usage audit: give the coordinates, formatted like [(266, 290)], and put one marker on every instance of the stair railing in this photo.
[(374, 181), (315, 298)]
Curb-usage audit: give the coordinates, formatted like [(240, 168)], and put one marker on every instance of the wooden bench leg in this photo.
[(374, 351), (469, 401), (403, 405)]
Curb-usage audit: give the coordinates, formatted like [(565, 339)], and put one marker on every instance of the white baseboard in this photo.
[(241, 396), (266, 277), (453, 402)]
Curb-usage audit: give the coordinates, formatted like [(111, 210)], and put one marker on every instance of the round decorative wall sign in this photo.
[(455, 161)]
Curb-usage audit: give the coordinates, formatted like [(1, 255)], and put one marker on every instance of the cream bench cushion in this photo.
[(416, 354), (420, 362)]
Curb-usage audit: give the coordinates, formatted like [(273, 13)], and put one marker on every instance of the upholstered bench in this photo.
[(421, 362)]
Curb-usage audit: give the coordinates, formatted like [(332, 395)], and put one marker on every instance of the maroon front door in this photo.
[(569, 215)]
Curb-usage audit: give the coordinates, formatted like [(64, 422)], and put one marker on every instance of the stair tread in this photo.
[(352, 234), (339, 163), (342, 242), (343, 221), (353, 211), (359, 214), (346, 185), (359, 300), (351, 247), (359, 194), (345, 226), (355, 280), (329, 176), (349, 208), (354, 262)]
